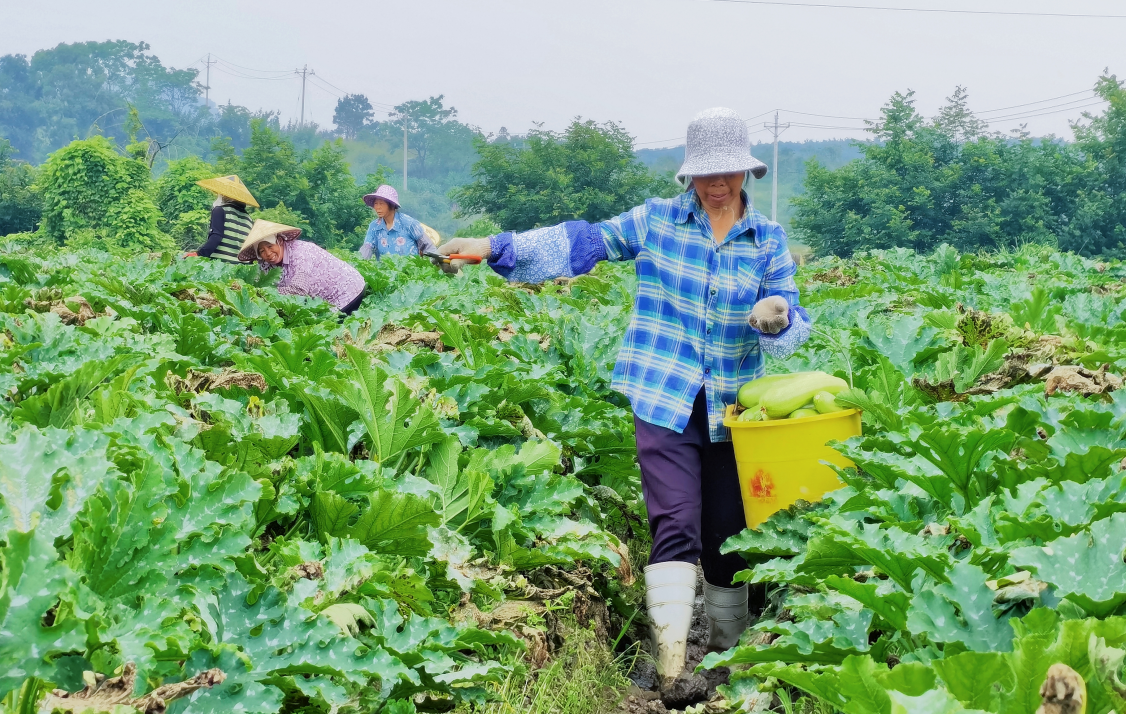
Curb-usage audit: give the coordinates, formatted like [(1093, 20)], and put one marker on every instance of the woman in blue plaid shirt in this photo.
[(715, 291)]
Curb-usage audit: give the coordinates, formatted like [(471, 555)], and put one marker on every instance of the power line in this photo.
[(1074, 104), (219, 68), (826, 116), (925, 9), (250, 69), (1055, 111), (1042, 101)]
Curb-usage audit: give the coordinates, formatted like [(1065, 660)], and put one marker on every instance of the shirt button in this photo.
[(714, 291), (709, 330), (707, 370)]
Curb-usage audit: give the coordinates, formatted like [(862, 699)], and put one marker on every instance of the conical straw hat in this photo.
[(265, 231), (431, 234), (231, 187)]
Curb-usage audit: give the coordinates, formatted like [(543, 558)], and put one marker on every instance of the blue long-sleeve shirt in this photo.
[(690, 324), (405, 237)]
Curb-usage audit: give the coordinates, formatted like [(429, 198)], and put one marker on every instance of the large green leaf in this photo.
[(894, 552), (395, 523), (31, 582), (783, 533), (883, 598), (1086, 567), (393, 420), (59, 406), (977, 679), (960, 611), (46, 476)]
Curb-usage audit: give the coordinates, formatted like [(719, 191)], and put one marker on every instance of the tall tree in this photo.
[(74, 90), (946, 180), (1099, 225), (587, 172), (353, 113), (426, 123)]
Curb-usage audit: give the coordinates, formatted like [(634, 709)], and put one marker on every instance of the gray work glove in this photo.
[(771, 315), (366, 251), (466, 246)]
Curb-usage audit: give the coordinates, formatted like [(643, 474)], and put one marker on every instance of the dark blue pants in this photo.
[(692, 494)]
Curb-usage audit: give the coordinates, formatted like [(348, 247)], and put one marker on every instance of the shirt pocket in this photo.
[(748, 280)]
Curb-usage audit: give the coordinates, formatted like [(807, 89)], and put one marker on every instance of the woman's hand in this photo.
[(465, 246), (771, 315)]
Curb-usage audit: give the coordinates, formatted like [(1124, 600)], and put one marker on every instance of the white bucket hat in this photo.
[(718, 144)]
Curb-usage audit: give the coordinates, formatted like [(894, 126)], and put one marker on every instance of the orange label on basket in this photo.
[(762, 485)]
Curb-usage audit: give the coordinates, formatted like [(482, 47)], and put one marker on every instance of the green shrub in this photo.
[(285, 215), (91, 193), (478, 229), (177, 193), (189, 229), (20, 207)]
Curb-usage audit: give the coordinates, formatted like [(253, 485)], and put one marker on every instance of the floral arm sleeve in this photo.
[(568, 249), (779, 281)]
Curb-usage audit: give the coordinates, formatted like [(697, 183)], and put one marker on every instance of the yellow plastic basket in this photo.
[(780, 460)]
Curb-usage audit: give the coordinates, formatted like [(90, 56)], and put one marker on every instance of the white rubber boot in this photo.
[(670, 592), (726, 609)]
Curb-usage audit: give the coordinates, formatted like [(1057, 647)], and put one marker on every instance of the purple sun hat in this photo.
[(385, 192)]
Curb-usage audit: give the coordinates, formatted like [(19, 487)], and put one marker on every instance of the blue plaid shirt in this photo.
[(690, 325)]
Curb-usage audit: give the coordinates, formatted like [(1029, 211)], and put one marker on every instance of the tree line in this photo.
[(80, 115), (924, 182)]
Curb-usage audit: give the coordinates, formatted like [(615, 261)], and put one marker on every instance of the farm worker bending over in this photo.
[(392, 232), (715, 291), (230, 223), (307, 268)]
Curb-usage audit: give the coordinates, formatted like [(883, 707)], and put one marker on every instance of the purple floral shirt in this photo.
[(308, 269)]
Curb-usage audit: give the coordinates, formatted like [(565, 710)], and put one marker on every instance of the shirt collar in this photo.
[(690, 204)]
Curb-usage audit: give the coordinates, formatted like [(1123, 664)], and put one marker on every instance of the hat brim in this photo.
[(712, 164), (370, 200), (229, 189), (249, 251)]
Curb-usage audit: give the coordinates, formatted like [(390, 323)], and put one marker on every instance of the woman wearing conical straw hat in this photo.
[(230, 223), (307, 268)]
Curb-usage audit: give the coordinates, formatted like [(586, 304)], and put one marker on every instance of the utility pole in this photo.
[(304, 71), (775, 129), (207, 88)]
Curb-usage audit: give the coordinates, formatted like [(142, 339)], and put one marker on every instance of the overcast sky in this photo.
[(649, 64)]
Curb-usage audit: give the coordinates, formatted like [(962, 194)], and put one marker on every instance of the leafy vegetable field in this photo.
[(205, 482)]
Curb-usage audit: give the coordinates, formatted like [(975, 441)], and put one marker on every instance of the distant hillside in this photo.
[(791, 158)]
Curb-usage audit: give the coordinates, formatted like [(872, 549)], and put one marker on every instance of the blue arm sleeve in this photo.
[(561, 251)]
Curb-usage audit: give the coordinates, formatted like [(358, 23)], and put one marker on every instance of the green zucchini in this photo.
[(826, 403)]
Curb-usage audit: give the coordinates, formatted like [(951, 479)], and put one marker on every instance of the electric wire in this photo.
[(948, 11), (1026, 104)]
